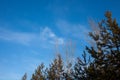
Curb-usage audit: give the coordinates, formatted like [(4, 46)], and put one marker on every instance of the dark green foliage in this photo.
[(106, 55), (24, 77), (80, 68), (55, 71), (39, 73), (68, 72)]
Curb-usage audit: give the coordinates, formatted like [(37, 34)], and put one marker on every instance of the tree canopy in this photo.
[(105, 57)]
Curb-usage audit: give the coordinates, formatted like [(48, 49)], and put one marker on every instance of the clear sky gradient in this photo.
[(29, 30)]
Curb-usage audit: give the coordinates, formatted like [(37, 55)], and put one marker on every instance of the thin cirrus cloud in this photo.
[(72, 30), (51, 37), (46, 36), (19, 37)]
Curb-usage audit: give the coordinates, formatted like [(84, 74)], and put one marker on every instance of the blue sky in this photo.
[(29, 30)]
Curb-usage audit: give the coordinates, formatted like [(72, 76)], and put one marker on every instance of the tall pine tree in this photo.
[(55, 71), (39, 73), (106, 55)]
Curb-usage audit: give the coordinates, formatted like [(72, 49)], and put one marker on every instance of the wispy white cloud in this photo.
[(46, 35), (19, 37), (73, 30)]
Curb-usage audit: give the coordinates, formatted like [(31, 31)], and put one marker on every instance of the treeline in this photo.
[(104, 63)]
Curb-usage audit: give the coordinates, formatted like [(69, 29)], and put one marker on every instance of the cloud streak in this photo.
[(45, 36), (50, 36), (73, 30), (19, 37)]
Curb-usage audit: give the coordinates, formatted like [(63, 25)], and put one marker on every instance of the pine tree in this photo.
[(80, 67), (39, 73), (55, 71), (24, 77), (106, 54)]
